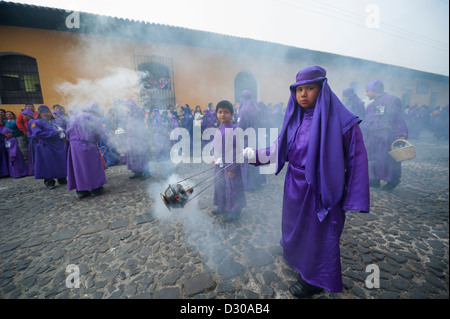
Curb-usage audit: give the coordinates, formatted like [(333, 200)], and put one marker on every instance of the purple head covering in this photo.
[(58, 113), (325, 169), (6, 130), (44, 109), (93, 108), (348, 92), (28, 112), (375, 86)]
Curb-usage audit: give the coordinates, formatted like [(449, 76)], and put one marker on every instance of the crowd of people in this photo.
[(335, 151)]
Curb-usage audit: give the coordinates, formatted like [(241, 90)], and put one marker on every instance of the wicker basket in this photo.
[(402, 153)]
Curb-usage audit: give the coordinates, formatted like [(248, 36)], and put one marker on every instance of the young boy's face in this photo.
[(46, 116), (307, 95), (8, 135), (224, 115)]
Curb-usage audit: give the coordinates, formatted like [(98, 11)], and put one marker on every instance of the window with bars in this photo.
[(156, 81), (19, 82)]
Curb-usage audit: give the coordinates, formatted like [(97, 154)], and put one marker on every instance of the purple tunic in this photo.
[(84, 164), (229, 193), (17, 165), (327, 175), (4, 165), (249, 117), (50, 154), (138, 146), (384, 124), (31, 148)]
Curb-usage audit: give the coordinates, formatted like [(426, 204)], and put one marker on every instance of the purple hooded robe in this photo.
[(138, 145), (229, 194), (159, 136), (85, 170), (354, 103), (16, 162), (4, 165), (50, 153), (327, 175), (249, 117), (384, 123)]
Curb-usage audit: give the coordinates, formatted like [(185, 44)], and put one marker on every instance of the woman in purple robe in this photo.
[(50, 154), (16, 163), (138, 146), (384, 124), (229, 194), (85, 171), (250, 118), (4, 165), (326, 178)]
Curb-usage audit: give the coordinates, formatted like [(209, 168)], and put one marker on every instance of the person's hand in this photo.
[(218, 161), (249, 153)]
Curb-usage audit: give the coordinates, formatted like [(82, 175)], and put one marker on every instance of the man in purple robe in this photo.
[(229, 194), (50, 154), (29, 117), (250, 118), (327, 177), (353, 103), (85, 171), (138, 144), (16, 162), (384, 124), (160, 137), (4, 165)]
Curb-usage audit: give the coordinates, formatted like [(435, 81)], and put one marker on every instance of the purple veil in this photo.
[(325, 167)]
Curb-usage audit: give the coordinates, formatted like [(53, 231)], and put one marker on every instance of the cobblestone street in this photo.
[(126, 244)]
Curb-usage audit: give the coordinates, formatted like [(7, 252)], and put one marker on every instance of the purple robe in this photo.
[(4, 165), (229, 194), (138, 146), (85, 170), (327, 175), (16, 162), (249, 117), (159, 136), (354, 103), (384, 124), (50, 155), (31, 148)]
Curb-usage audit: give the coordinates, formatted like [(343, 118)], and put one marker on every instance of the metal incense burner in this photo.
[(176, 195)]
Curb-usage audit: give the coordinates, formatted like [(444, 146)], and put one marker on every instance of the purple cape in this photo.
[(84, 164), (325, 157), (229, 195), (50, 154)]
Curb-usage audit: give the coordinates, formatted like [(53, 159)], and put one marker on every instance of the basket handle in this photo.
[(400, 140)]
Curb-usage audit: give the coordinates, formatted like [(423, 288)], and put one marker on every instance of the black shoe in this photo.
[(83, 194), (62, 181), (216, 212), (97, 191), (374, 182), (50, 183), (391, 185), (231, 216), (144, 176), (136, 175), (301, 289)]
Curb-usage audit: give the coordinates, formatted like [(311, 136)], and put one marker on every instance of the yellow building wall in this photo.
[(80, 69)]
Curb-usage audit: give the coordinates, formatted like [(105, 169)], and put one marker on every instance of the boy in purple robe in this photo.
[(384, 124), (229, 195), (50, 154), (138, 146), (327, 177), (16, 163), (4, 165), (250, 118), (85, 171)]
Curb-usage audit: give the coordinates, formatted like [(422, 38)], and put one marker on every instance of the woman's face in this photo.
[(307, 94), (9, 116)]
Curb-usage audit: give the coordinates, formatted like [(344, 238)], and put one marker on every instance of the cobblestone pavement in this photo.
[(126, 244)]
